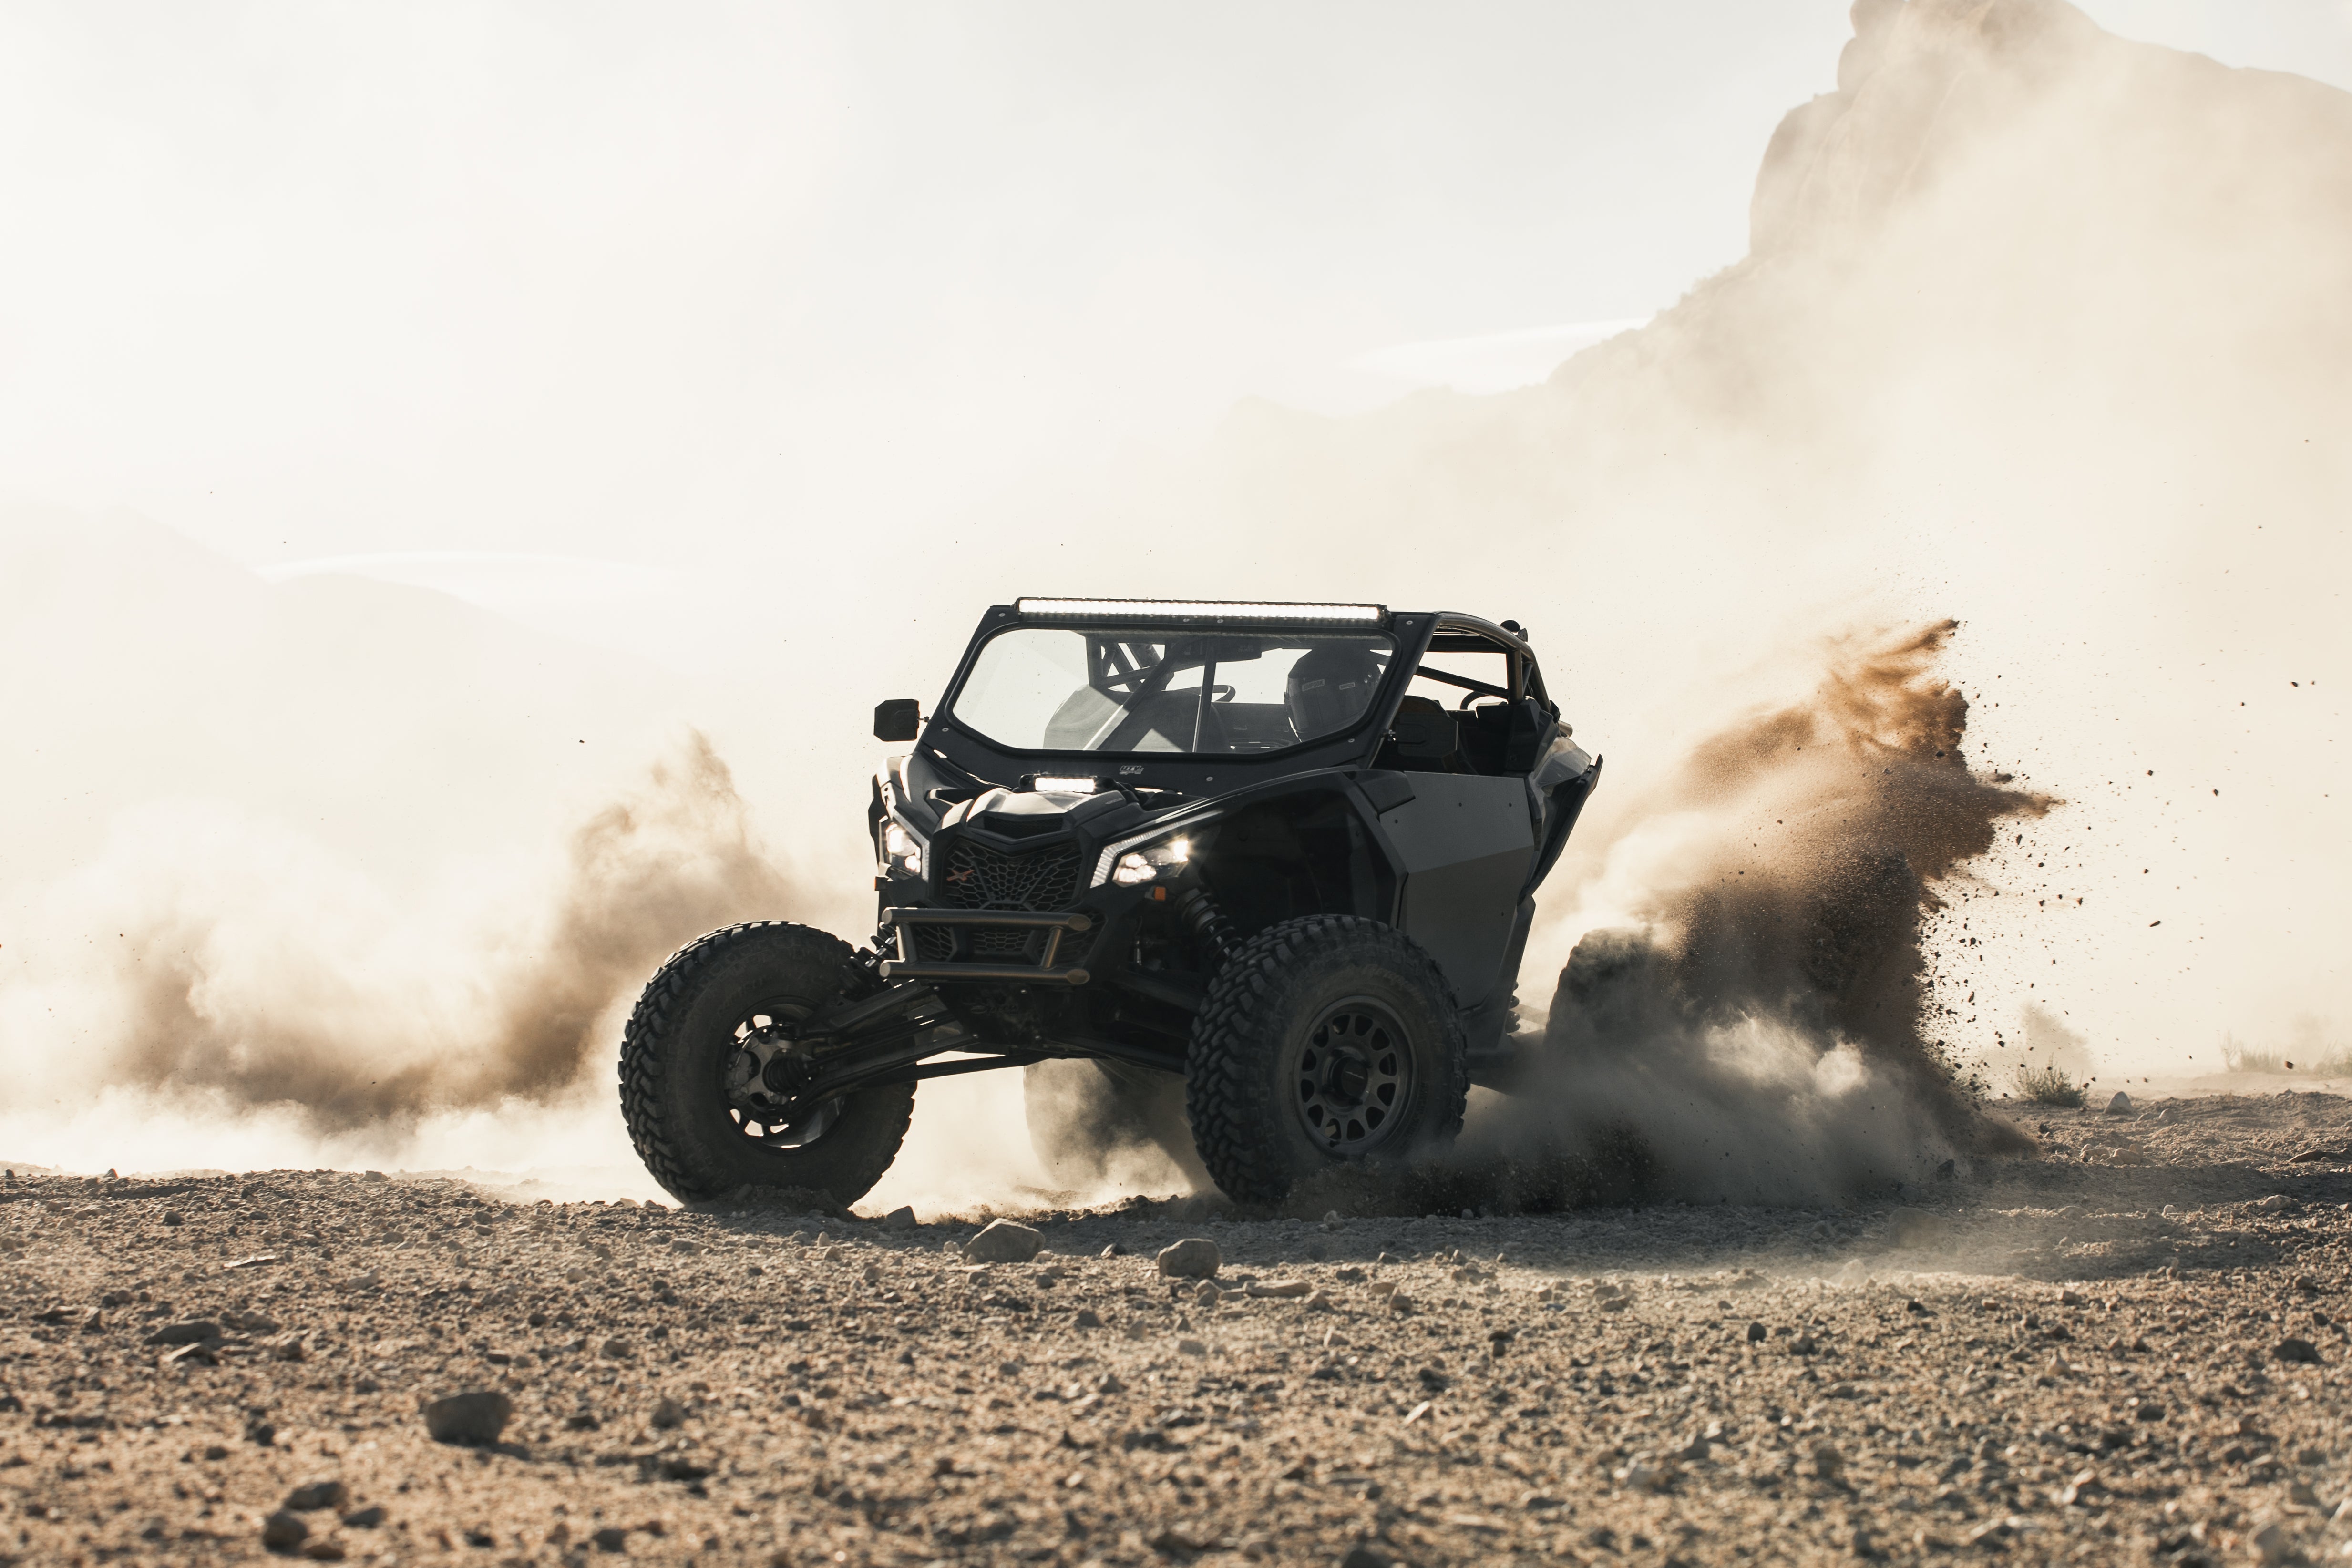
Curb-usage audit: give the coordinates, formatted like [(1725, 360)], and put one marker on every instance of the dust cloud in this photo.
[(230, 972), (1758, 1014)]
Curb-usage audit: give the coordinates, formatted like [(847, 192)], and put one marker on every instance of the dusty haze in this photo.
[(2040, 331)]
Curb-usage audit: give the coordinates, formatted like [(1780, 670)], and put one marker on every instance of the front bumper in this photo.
[(906, 920)]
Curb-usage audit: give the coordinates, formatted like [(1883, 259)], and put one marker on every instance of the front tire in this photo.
[(1325, 1041), (704, 1140)]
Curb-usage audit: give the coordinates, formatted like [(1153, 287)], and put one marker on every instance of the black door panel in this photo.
[(1464, 846)]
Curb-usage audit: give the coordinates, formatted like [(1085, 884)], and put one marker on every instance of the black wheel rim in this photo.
[(751, 1076), (1352, 1084)]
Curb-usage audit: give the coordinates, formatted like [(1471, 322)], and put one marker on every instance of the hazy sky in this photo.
[(684, 284)]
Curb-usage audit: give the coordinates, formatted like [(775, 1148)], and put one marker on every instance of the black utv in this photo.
[(1282, 856)]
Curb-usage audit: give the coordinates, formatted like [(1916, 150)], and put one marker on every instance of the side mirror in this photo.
[(1423, 736), (900, 719)]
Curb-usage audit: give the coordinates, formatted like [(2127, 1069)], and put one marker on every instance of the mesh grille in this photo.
[(977, 877), (936, 944), (973, 876)]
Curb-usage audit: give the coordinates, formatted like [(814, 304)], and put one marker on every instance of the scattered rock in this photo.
[(1756, 1334), (2120, 1105), (283, 1531), (367, 1518), (471, 1417), (188, 1331), (2298, 1350), (1004, 1242), (1194, 1258), (668, 1414), (901, 1219), (312, 1496), (1643, 1474)]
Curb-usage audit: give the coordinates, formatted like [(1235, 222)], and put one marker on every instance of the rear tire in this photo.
[(1090, 1122), (675, 1060), (1324, 1041)]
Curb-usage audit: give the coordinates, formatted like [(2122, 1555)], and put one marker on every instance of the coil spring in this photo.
[(1207, 922)]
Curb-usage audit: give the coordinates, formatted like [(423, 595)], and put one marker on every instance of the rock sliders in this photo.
[(1194, 1258), (472, 1418), (1003, 1241)]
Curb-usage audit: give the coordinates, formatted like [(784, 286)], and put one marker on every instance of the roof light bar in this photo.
[(1199, 609)]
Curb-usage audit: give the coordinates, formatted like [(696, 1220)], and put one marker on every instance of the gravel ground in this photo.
[(2129, 1348)]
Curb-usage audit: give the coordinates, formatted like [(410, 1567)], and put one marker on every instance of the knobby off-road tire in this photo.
[(1095, 1122), (1257, 1081), (674, 1060)]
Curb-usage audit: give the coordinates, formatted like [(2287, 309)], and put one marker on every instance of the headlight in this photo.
[(1164, 859), (902, 850), (1153, 855)]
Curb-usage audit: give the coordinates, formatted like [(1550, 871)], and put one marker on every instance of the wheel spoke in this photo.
[(1354, 1074)]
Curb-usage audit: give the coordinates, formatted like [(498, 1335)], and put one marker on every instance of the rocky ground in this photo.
[(2129, 1348)]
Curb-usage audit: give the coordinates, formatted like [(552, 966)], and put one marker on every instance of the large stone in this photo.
[(1004, 1242), (1194, 1258), (188, 1331), (282, 1531), (2120, 1105), (312, 1496), (472, 1418)]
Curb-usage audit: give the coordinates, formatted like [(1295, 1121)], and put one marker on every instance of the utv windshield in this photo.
[(1073, 689)]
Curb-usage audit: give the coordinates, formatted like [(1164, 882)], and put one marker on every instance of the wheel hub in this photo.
[(767, 1069), (1354, 1076)]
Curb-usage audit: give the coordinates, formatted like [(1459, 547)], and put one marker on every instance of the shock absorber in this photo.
[(1207, 922), (861, 977)]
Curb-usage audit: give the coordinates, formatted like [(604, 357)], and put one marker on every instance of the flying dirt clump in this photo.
[(1757, 1031), (238, 983)]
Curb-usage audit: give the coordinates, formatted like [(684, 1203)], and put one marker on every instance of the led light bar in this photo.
[(1056, 784), (1198, 610)]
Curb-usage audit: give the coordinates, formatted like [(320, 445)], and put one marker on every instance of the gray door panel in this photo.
[(1465, 844)]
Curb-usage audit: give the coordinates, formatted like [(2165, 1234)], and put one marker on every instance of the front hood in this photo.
[(1011, 819)]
